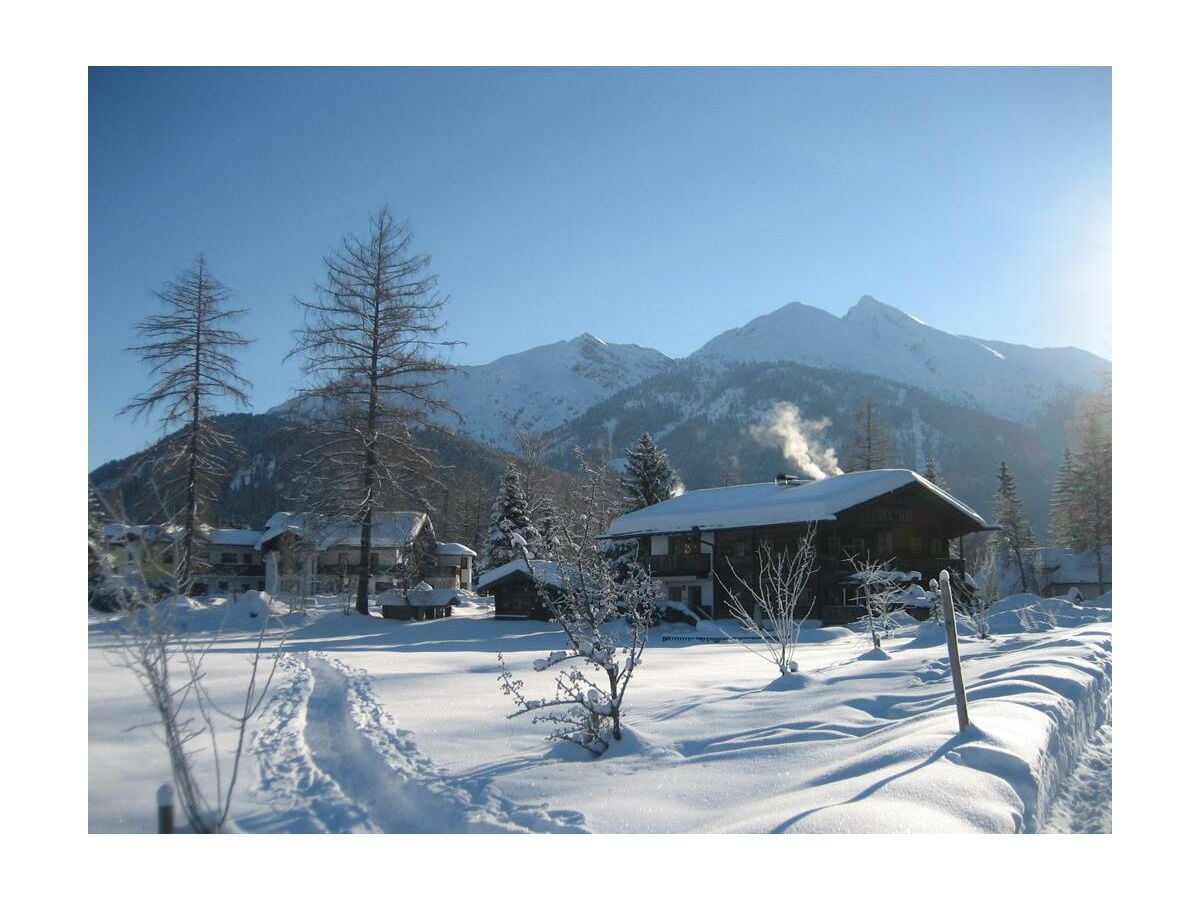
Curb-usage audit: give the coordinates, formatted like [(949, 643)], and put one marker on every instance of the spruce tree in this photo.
[(870, 446), (1092, 491), (1081, 505), (1015, 536), (648, 477), (510, 516), (932, 475), (1064, 509)]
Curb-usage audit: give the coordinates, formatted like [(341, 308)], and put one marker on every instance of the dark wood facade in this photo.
[(911, 529)]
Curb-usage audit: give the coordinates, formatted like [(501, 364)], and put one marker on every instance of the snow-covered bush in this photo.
[(774, 605), (878, 588), (606, 623), (155, 641), (605, 618)]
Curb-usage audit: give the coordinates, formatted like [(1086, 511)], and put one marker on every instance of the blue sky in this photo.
[(650, 206)]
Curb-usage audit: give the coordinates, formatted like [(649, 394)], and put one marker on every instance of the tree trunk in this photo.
[(1021, 569), (616, 710), (189, 522)]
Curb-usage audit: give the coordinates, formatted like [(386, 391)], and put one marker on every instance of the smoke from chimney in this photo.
[(799, 439)]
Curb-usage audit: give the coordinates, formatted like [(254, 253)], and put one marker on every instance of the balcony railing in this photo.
[(693, 564), (236, 569)]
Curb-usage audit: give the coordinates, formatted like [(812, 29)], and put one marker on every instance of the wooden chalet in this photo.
[(889, 515)]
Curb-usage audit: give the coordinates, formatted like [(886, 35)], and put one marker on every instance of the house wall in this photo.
[(335, 569), (517, 597)]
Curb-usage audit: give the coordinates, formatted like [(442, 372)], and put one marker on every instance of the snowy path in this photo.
[(331, 747), (1085, 804)]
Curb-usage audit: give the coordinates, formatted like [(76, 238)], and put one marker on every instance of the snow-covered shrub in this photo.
[(878, 588), (156, 640), (605, 617), (606, 623), (774, 605)]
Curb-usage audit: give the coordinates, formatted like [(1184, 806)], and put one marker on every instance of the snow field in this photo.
[(379, 725)]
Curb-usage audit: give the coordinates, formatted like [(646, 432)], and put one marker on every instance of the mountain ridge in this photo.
[(1013, 401)]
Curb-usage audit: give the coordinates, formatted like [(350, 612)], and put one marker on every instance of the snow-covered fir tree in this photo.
[(1091, 492), (510, 527), (932, 475), (1063, 512), (648, 477), (1014, 541)]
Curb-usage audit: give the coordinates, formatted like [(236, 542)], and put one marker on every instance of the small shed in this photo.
[(518, 588), (1062, 573), (421, 602)]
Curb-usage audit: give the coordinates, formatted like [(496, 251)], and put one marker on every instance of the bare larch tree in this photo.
[(871, 446), (188, 349), (369, 350)]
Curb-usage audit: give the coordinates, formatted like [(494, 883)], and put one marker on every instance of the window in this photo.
[(733, 545), (675, 593), (684, 545), (935, 546), (343, 558), (914, 543), (883, 543), (229, 559), (247, 559)]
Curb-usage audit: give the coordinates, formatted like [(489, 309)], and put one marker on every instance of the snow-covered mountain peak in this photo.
[(868, 308), (877, 339), (588, 338), (540, 388)]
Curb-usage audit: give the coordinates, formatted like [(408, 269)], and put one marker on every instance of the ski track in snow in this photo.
[(330, 745), (1084, 805)]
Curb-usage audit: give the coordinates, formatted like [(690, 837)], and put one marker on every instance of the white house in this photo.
[(307, 554)]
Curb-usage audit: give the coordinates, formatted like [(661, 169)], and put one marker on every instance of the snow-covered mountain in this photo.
[(542, 388), (964, 401), (1010, 381)]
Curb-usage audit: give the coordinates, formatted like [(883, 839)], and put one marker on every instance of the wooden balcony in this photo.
[(236, 570), (695, 565)]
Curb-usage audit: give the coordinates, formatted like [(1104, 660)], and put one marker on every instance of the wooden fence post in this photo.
[(166, 809), (960, 692)]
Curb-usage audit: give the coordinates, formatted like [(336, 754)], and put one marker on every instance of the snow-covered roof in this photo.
[(388, 529), (119, 531), (749, 505), (428, 597), (543, 570), (239, 537), (1061, 567), (452, 549)]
